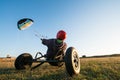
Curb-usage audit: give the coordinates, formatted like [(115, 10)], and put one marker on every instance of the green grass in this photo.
[(107, 68), (101, 68)]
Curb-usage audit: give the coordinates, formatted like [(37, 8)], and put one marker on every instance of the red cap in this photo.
[(61, 35)]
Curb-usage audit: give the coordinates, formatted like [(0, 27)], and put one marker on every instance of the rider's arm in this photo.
[(45, 41)]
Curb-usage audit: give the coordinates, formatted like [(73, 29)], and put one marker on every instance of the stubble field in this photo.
[(105, 68)]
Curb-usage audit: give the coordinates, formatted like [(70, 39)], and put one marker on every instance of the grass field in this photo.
[(107, 68)]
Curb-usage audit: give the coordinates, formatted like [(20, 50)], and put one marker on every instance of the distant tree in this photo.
[(8, 56), (84, 56)]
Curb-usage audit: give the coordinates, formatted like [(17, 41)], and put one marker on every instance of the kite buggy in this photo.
[(60, 55)]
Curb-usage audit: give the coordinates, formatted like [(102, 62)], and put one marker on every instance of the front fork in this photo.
[(39, 59)]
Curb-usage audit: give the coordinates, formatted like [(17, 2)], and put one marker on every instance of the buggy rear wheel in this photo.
[(72, 61), (23, 61)]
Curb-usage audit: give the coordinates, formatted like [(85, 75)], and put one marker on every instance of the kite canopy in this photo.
[(24, 23)]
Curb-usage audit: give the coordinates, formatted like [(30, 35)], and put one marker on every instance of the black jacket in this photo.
[(53, 47)]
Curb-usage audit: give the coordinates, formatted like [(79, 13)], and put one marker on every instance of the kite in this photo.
[(24, 23)]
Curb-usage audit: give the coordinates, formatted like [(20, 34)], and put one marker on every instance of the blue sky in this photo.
[(92, 26)]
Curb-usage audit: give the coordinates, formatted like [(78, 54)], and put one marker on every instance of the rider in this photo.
[(55, 45)]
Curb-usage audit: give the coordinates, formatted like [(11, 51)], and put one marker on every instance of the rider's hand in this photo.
[(41, 39)]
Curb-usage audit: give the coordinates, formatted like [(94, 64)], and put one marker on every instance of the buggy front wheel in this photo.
[(72, 61)]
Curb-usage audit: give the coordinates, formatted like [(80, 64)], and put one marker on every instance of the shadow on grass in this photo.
[(12, 73), (7, 70), (57, 76)]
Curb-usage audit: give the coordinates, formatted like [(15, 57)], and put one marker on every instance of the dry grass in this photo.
[(107, 68)]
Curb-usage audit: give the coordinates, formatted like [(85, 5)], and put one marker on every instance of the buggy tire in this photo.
[(23, 61), (72, 61)]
